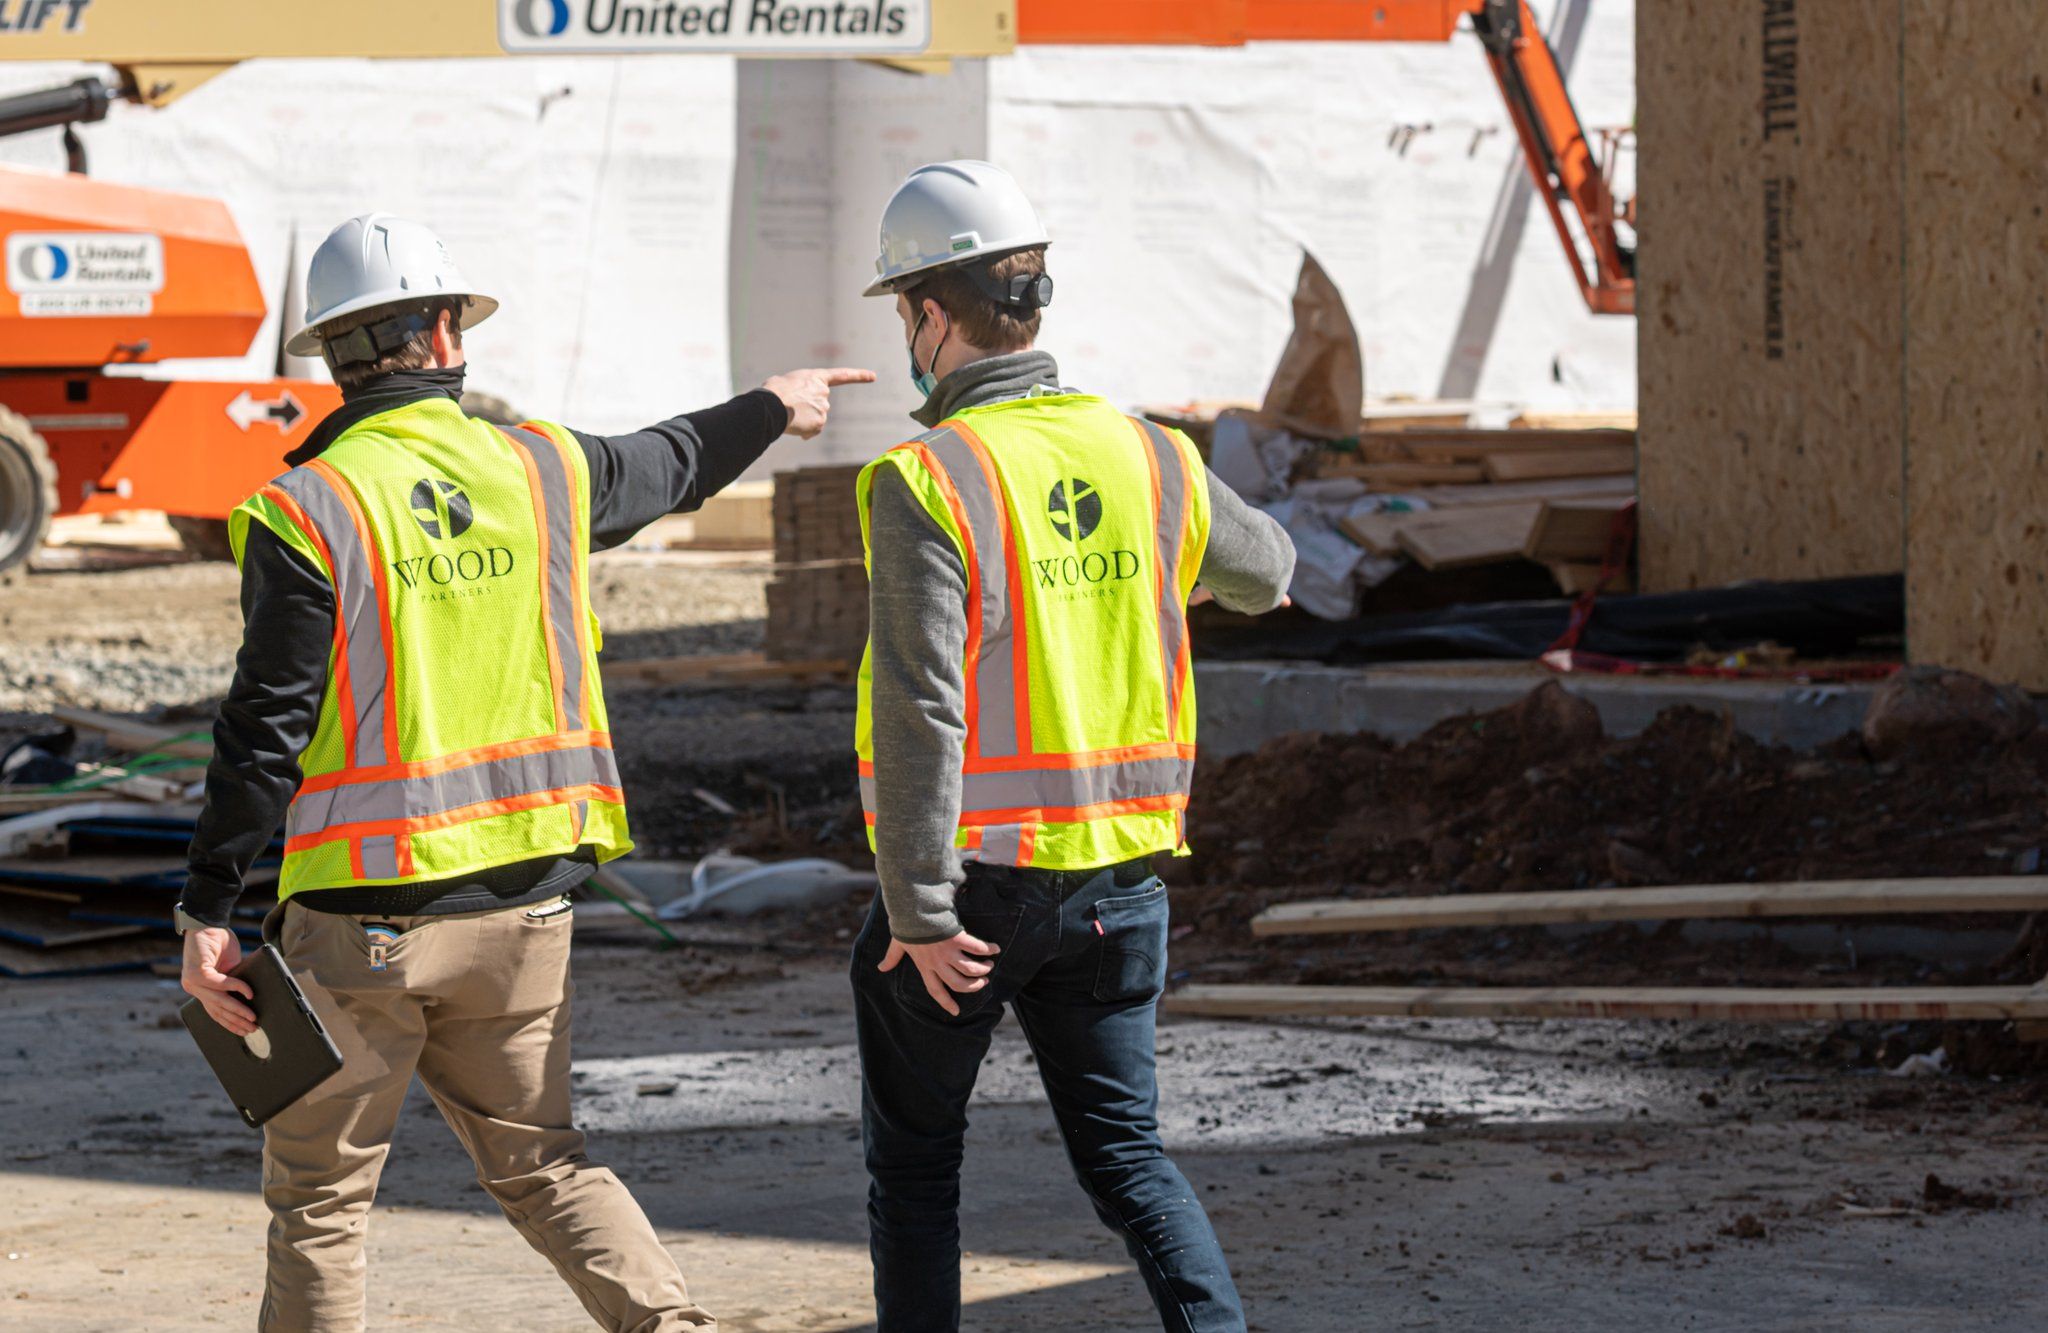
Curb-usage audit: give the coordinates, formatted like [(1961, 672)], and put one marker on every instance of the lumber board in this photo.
[(1398, 475), (1572, 420), (51, 926), (1576, 576), (1516, 492), (95, 872), (1379, 533), (1544, 464), (125, 733), (28, 802), (140, 953), (1726, 1003), (1847, 897), (22, 831), (1567, 530), (1466, 537), (41, 895), (1474, 446), (732, 669)]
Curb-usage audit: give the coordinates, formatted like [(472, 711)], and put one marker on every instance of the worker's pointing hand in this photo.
[(808, 395), (946, 965), (210, 954)]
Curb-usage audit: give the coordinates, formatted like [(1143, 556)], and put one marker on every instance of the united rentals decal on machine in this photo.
[(749, 27), (85, 272)]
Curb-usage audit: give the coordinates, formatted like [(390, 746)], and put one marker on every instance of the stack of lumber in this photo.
[(90, 870), (739, 518), (818, 597), (1485, 496)]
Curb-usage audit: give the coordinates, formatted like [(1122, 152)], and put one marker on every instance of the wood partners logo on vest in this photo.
[(443, 512), (1074, 510)]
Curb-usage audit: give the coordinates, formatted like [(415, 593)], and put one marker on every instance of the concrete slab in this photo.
[(1245, 704)]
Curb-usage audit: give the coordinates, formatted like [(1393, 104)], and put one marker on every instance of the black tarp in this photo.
[(1816, 619)]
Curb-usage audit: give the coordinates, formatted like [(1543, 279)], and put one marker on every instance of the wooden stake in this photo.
[(1883, 1004), (1848, 897)]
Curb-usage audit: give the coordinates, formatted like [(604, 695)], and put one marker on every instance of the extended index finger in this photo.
[(847, 375)]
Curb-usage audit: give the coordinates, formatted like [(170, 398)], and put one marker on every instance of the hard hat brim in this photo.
[(306, 342)]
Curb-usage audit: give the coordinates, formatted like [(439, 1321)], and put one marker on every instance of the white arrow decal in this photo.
[(246, 410)]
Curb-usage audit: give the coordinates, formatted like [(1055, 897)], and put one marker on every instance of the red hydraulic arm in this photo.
[(1569, 174)]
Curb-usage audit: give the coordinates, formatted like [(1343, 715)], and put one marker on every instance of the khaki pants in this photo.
[(478, 1006)]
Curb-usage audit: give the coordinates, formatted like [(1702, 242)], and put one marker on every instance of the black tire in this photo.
[(491, 408), (28, 490), (202, 538)]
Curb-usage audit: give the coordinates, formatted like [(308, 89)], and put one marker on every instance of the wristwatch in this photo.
[(184, 921)]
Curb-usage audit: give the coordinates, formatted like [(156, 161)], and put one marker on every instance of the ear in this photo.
[(447, 340), (934, 312)]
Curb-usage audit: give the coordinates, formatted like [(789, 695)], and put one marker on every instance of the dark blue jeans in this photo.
[(1083, 961)]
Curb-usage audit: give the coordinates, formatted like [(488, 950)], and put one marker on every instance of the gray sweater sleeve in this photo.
[(917, 622), (1250, 559)]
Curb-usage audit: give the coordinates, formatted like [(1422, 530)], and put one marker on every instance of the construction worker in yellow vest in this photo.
[(1026, 736), (417, 700)]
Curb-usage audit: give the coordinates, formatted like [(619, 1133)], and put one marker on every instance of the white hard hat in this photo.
[(375, 260), (949, 212)]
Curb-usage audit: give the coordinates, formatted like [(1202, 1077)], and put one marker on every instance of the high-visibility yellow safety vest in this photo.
[(1081, 532), (463, 726)]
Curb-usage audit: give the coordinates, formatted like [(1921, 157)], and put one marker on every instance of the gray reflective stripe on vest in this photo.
[(380, 856), (439, 793), (1173, 516), (1001, 845), (995, 677), (1065, 788), (362, 620), (558, 503)]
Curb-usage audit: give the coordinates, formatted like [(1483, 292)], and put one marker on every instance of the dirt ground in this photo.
[(1364, 1175)]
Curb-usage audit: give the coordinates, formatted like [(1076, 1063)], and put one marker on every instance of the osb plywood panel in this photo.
[(1772, 420), (1977, 308)]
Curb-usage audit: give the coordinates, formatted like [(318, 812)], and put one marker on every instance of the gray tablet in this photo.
[(288, 1055)]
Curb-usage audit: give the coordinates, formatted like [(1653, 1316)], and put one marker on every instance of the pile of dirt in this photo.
[(1535, 796)]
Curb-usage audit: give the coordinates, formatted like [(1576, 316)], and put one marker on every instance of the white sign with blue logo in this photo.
[(85, 272), (731, 27)]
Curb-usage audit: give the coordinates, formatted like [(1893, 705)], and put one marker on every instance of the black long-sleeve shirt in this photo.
[(288, 608)]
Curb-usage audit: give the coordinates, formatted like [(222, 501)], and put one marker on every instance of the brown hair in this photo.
[(984, 322), (415, 353)]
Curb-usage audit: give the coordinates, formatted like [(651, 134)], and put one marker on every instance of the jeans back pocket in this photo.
[(1133, 945)]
